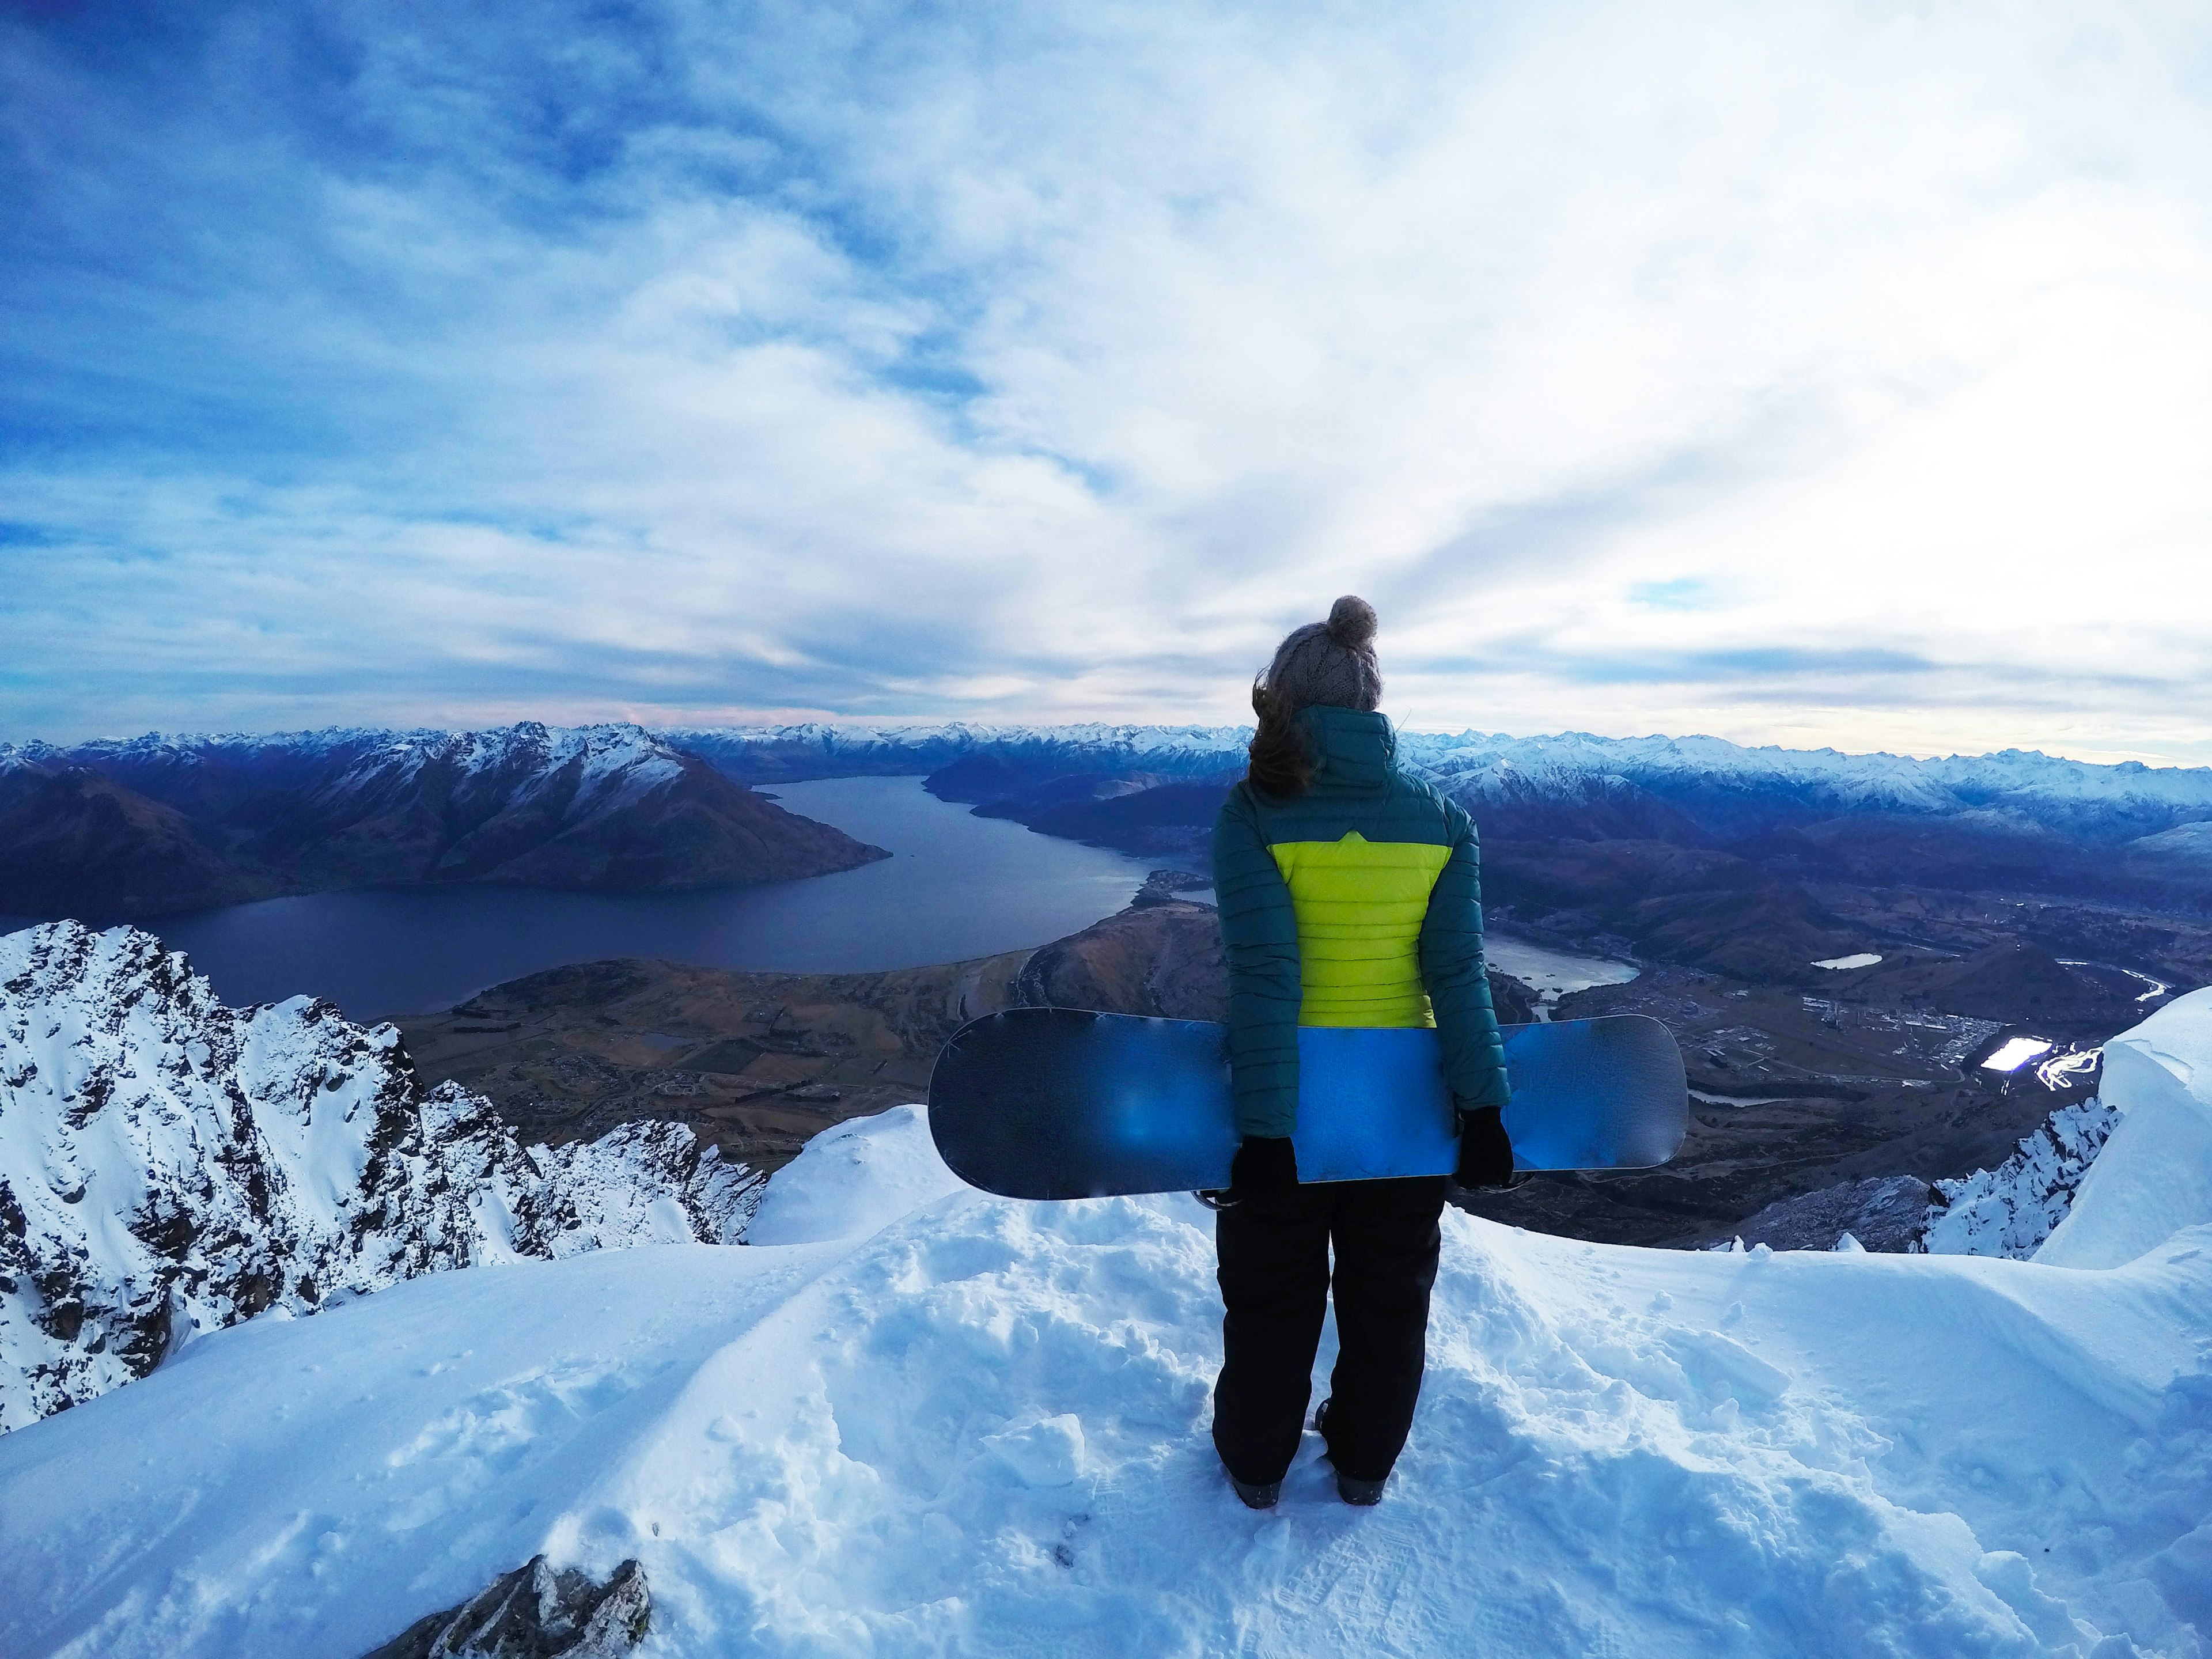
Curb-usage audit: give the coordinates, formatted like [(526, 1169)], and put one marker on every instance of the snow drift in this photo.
[(2154, 1177), (979, 1427), (168, 1165)]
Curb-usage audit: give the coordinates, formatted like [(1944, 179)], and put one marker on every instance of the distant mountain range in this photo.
[(1700, 786), (1691, 849), (125, 830)]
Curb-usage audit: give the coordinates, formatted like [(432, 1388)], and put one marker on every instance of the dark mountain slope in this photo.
[(74, 843), (140, 829), (1694, 906)]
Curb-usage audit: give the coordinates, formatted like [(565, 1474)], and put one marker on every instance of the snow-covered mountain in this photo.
[(2009, 822), (1724, 786), (171, 1166), (1728, 783), (156, 823), (1729, 786), (217, 817), (769, 753), (932, 1421)]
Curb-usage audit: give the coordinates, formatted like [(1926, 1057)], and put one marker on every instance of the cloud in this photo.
[(1829, 373)]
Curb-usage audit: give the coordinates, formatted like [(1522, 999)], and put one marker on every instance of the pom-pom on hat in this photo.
[(1329, 662)]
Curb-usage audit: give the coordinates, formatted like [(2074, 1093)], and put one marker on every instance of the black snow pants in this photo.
[(1275, 1284)]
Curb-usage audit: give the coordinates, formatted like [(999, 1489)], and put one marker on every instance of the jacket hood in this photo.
[(1352, 749)]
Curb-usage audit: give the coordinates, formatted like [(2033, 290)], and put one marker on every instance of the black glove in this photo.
[(1265, 1166), (1486, 1152)]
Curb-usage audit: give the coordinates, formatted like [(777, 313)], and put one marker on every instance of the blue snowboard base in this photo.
[(1060, 1102)]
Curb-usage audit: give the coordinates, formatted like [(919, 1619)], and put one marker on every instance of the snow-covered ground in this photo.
[(932, 1421)]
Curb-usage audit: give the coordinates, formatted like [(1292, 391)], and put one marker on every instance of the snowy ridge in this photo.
[(2154, 1177), (1105, 737), (2107, 1179), (2010, 1210), (603, 752), (151, 826), (2125, 801), (817, 750), (934, 1421), (611, 765), (2128, 801), (981, 1428), (2045, 789), (169, 1165)]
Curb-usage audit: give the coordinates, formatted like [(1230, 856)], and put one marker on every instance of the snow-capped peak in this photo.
[(170, 1165)]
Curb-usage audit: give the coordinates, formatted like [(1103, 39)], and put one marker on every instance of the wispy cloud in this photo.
[(1813, 374)]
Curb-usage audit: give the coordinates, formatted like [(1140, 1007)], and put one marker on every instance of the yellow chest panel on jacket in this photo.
[(1360, 904)]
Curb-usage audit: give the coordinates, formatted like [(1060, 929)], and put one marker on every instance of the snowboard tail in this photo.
[(1061, 1103)]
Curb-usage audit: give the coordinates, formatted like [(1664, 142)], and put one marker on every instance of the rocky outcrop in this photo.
[(2012, 1209), (169, 1165), (2007, 1210), (1883, 1213), (1163, 960), (535, 1613), (1161, 885)]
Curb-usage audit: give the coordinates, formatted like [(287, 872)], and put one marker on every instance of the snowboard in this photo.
[(1061, 1102)]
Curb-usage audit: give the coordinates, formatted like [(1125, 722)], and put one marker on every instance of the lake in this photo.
[(955, 886), (1550, 972)]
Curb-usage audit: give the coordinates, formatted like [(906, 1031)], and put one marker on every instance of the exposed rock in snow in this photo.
[(535, 1612), (2144, 1143), (1882, 1212), (169, 1166), (2011, 1210)]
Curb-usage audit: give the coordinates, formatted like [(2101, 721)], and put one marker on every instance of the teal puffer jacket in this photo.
[(1358, 903)]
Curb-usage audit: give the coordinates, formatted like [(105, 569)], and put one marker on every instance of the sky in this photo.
[(1814, 374)]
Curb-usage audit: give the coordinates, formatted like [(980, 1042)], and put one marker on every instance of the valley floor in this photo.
[(755, 1063), (1792, 1093)]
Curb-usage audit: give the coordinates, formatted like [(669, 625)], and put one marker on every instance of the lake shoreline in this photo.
[(956, 887)]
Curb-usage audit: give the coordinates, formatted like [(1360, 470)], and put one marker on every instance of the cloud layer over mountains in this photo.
[(1812, 375)]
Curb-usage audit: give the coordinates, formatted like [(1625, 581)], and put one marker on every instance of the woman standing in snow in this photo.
[(1350, 896)]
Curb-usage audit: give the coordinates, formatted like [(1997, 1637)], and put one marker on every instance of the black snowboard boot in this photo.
[(1259, 1497), (1365, 1494)]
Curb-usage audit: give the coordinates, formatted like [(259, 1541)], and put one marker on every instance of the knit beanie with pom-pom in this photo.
[(1329, 662)]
